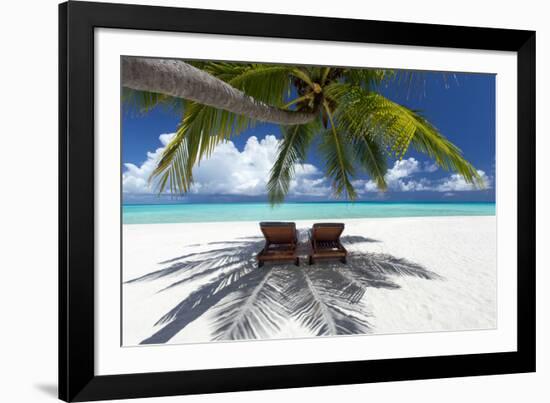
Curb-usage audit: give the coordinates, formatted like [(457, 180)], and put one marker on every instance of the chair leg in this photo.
[(297, 261), (344, 260), (260, 263), (310, 260)]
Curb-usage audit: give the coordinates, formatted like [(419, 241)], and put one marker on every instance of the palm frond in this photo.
[(361, 112), (338, 160), (143, 102), (371, 156), (268, 83), (171, 170), (324, 75), (303, 74), (396, 128), (447, 155), (292, 150), (202, 129)]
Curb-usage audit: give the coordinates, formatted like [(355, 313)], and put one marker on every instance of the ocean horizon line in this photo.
[(310, 202)]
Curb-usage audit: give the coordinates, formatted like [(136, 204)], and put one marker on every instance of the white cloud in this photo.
[(230, 171), (430, 167), (456, 183), (136, 179), (398, 179), (304, 186), (402, 169)]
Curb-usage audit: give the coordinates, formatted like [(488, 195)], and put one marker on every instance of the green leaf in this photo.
[(201, 130), (370, 156), (396, 127), (143, 102), (292, 150), (338, 160), (263, 82)]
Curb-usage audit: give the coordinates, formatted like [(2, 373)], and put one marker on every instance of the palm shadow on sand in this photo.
[(248, 302)]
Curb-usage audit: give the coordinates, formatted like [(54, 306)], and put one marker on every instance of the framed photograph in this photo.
[(256, 201)]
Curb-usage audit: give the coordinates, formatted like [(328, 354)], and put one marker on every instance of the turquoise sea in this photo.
[(211, 212)]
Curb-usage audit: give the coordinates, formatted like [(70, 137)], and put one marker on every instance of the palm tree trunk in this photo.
[(181, 80)]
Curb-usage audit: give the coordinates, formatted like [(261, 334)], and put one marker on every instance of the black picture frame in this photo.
[(77, 21)]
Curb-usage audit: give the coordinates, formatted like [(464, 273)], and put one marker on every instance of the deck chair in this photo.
[(280, 242), (325, 242)]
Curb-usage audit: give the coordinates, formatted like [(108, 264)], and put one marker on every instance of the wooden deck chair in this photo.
[(280, 242), (325, 242)]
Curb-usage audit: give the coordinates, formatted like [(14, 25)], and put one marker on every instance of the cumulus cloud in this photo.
[(304, 186), (430, 167), (401, 178), (136, 178), (456, 183), (402, 169), (398, 179), (229, 171)]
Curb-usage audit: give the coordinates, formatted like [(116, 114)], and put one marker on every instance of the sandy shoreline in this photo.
[(407, 275)]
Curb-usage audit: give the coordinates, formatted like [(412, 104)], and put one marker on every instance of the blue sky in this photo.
[(462, 107)]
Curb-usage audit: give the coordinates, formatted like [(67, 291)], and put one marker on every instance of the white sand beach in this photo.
[(190, 283)]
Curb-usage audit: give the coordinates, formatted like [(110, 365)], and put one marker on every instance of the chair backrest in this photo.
[(279, 232), (327, 231)]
